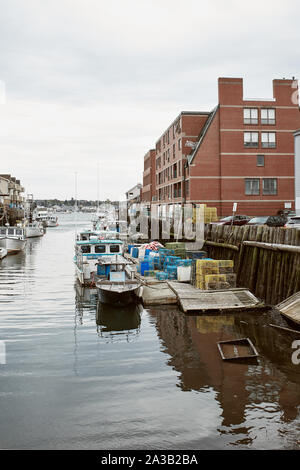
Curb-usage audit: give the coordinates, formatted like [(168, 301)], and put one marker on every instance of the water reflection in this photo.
[(117, 323), (113, 323), (248, 394)]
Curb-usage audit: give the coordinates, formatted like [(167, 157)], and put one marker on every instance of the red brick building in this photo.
[(245, 153), (149, 190), (172, 149), (242, 151)]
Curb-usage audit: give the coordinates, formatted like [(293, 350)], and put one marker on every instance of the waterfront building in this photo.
[(11, 198), (149, 187), (133, 195), (172, 150), (240, 152)]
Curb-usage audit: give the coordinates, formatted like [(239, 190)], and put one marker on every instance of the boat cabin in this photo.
[(11, 232), (93, 248), (96, 235)]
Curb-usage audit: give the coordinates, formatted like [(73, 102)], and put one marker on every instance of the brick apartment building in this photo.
[(242, 151), (149, 189), (172, 149)]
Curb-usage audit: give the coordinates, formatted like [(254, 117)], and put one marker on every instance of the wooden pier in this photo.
[(193, 300), (266, 259)]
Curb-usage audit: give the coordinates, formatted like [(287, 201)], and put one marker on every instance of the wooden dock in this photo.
[(158, 294), (290, 308), (193, 300)]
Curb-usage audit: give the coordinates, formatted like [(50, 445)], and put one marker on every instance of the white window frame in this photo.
[(250, 115), (267, 120), (267, 191), (253, 139), (268, 143), (253, 191)]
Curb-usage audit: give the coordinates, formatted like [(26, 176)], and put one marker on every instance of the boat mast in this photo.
[(97, 186), (75, 207)]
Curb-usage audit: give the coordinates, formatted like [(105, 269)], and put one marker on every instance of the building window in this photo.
[(252, 187), (250, 116), (175, 170), (269, 186), (268, 139), (179, 144), (260, 161), (173, 150), (267, 116), (250, 139)]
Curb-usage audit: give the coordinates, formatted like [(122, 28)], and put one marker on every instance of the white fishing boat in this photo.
[(118, 286), (12, 239), (41, 215), (34, 229), (52, 221), (87, 253), (48, 219)]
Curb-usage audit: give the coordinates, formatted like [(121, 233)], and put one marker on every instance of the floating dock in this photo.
[(290, 308), (158, 294), (194, 300)]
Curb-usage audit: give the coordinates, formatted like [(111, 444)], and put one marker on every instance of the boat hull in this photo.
[(118, 298), (51, 223), (32, 232), (12, 245)]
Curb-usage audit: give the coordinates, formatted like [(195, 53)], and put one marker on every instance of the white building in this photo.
[(134, 194)]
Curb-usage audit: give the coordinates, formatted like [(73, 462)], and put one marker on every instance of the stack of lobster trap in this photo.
[(213, 274)]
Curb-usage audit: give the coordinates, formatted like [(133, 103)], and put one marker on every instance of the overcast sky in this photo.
[(95, 83)]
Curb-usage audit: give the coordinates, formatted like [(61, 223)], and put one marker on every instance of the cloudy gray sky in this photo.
[(94, 83)]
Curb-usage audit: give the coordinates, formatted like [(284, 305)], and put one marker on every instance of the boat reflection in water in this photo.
[(115, 322)]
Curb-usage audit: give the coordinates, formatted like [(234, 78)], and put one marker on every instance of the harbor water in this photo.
[(78, 375)]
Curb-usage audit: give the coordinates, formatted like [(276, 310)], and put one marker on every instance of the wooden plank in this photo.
[(221, 245), (288, 330), (192, 299), (290, 308), (158, 295), (273, 246), (237, 349)]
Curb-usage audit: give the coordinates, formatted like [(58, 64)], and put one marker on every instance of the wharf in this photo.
[(193, 300)]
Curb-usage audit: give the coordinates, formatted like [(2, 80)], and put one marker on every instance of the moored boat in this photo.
[(12, 239), (118, 285), (34, 229), (52, 221), (87, 253)]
